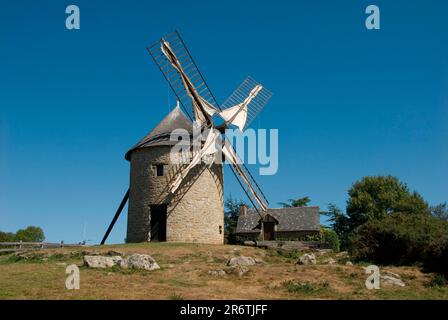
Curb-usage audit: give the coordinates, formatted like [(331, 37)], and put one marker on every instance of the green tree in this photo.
[(7, 236), (339, 222), (330, 238), (30, 234), (300, 202), (440, 211), (403, 239), (231, 219), (374, 198)]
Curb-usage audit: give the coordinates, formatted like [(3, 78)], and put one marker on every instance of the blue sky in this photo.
[(348, 102)]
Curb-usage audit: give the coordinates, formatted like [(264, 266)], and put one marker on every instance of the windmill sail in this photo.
[(257, 195), (201, 108), (251, 96), (237, 115), (181, 72), (208, 149)]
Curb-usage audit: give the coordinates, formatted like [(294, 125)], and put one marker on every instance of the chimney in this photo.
[(243, 210)]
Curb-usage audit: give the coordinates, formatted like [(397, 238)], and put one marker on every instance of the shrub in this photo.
[(7, 236), (176, 296), (288, 254), (30, 234), (436, 255), (437, 281), (330, 238), (403, 239), (305, 287)]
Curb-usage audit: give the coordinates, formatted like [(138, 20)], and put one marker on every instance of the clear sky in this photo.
[(348, 102)]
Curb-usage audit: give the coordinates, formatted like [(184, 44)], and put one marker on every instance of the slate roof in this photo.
[(160, 135), (290, 219)]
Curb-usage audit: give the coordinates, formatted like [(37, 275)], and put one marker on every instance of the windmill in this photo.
[(175, 62)]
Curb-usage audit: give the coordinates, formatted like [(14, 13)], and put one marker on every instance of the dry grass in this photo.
[(183, 275)]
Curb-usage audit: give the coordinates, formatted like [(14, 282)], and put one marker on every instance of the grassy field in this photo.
[(183, 275)]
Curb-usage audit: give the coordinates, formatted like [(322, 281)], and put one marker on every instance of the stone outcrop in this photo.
[(140, 261), (238, 270), (389, 278), (101, 261), (241, 261), (307, 258), (329, 261), (134, 261), (216, 273)]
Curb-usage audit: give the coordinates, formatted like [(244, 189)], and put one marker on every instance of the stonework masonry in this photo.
[(194, 214)]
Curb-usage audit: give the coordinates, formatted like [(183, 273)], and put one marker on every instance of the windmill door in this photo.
[(268, 231), (158, 223)]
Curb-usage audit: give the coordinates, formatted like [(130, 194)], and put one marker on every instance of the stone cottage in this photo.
[(283, 223)]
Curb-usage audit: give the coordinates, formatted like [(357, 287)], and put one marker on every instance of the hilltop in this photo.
[(184, 274)]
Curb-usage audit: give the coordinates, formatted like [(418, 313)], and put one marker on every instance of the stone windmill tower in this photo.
[(184, 202), (155, 214)]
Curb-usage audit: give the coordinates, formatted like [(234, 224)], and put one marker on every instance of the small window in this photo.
[(159, 170)]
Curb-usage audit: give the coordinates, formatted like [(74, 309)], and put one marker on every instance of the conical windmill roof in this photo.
[(160, 135)]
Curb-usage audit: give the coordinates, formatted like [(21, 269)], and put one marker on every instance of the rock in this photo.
[(101, 261), (134, 261), (329, 261), (259, 261), (123, 264), (250, 243), (307, 258), (241, 261), (209, 255), (349, 263), (239, 270), (113, 253), (88, 253), (140, 261), (322, 252), (392, 281), (216, 273), (391, 274), (342, 254)]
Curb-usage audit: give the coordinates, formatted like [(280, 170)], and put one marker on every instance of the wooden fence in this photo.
[(20, 246)]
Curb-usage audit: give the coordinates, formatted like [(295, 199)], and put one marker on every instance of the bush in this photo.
[(305, 287), (7, 236), (30, 234), (330, 238), (436, 255), (437, 281), (288, 254), (403, 239)]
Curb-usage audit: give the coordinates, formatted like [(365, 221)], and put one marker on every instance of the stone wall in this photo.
[(194, 214)]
